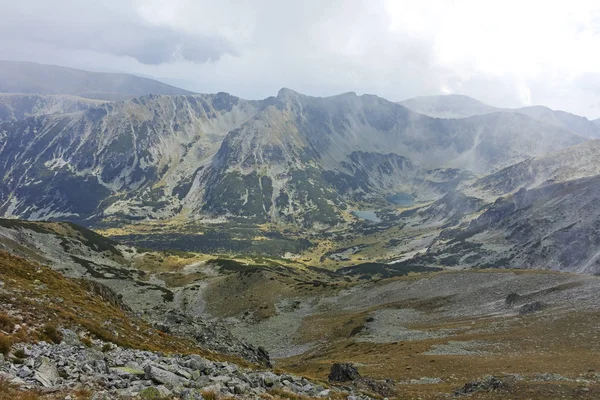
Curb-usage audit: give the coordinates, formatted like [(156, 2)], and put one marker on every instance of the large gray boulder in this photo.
[(46, 374), (167, 378), (343, 372)]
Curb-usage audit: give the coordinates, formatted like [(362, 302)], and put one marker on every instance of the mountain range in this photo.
[(294, 162), (41, 79), (291, 159), (461, 106), (168, 240)]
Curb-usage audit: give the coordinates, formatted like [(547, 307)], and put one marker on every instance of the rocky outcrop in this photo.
[(343, 372), (489, 384), (531, 308), (106, 293), (120, 372), (213, 336), (347, 373)]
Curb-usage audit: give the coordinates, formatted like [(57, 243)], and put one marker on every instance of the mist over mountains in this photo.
[(29, 77), (290, 160), (460, 106)]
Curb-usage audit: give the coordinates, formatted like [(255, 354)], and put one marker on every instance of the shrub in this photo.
[(20, 353), (209, 395), (5, 344), (10, 391), (284, 394), (151, 393), (52, 334), (7, 324)]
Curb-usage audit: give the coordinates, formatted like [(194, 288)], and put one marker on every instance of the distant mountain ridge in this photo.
[(506, 182), (448, 106), (461, 106), (33, 78), (14, 106), (290, 159)]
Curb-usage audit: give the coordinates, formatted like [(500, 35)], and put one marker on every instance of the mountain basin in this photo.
[(401, 199)]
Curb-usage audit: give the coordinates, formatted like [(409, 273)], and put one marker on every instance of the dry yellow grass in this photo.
[(532, 345), (40, 295), (9, 391)]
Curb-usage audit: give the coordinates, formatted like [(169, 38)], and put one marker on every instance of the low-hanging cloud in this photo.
[(508, 54), (79, 25), (154, 45)]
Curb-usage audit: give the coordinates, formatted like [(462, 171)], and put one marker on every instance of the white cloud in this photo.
[(507, 53)]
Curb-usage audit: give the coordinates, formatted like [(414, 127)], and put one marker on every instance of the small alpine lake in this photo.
[(401, 199), (368, 215)]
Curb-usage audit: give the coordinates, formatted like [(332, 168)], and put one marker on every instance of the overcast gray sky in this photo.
[(506, 53)]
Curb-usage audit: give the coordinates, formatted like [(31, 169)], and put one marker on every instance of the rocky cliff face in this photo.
[(129, 158), (290, 159), (551, 227), (303, 159), (575, 162)]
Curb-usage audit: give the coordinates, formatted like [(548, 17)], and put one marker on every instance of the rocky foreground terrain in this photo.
[(62, 337), (115, 372), (428, 334)]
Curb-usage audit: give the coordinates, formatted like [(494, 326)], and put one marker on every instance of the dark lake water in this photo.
[(401, 199)]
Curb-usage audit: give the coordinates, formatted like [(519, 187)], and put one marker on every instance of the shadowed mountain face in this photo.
[(306, 156), (572, 163), (287, 159), (460, 106), (73, 165), (554, 226), (28, 77)]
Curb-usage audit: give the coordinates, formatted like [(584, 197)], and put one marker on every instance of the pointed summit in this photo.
[(285, 93)]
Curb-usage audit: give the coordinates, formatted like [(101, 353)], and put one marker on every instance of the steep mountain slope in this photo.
[(448, 106), (289, 159), (572, 122), (112, 270), (28, 77), (461, 106), (553, 226), (303, 155), (67, 165), (20, 106), (574, 162), (75, 304)]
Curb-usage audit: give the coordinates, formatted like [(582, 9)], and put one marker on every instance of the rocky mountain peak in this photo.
[(286, 93)]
